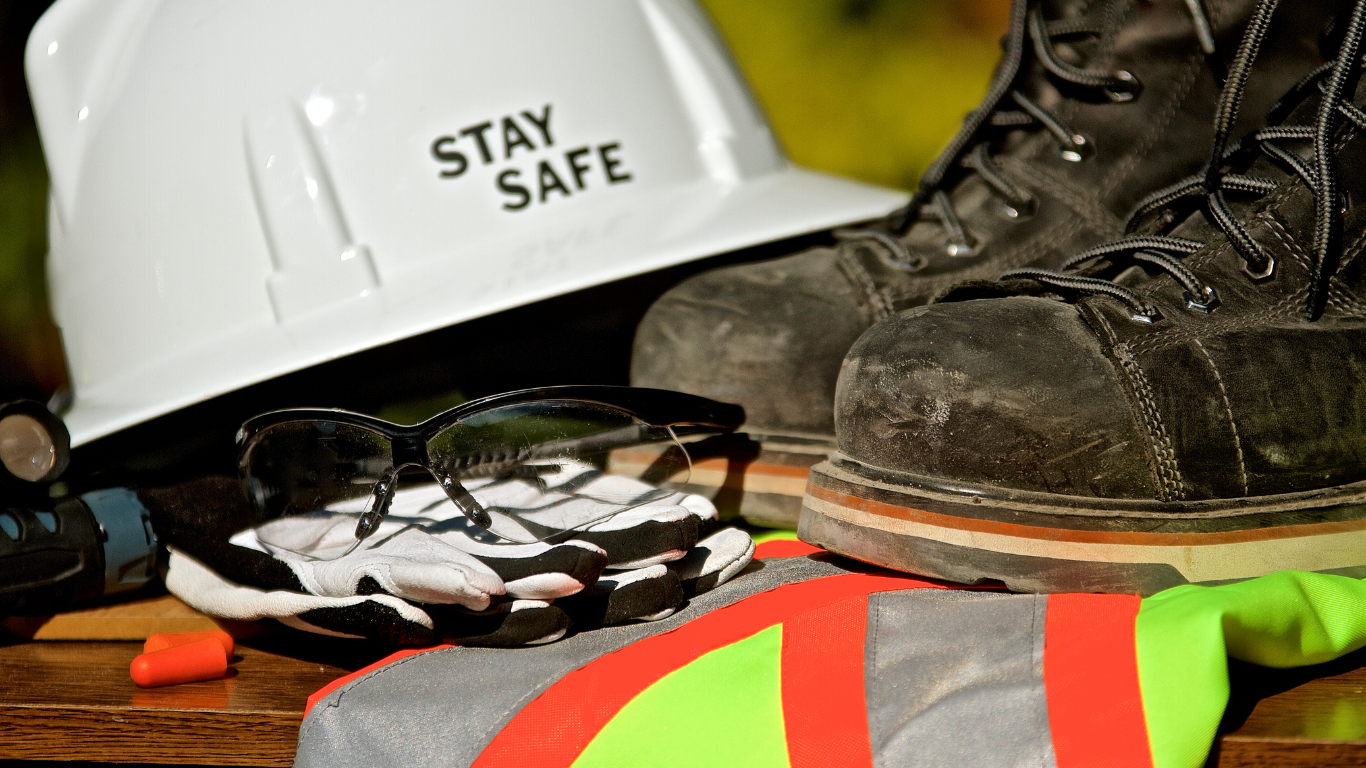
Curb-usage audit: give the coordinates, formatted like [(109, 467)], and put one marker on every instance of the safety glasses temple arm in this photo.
[(658, 407), (600, 442)]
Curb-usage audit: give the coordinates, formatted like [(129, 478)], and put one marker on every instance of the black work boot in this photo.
[(1094, 105), (1186, 404)]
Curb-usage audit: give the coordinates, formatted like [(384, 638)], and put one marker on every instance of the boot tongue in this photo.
[(1198, 226), (1259, 166)]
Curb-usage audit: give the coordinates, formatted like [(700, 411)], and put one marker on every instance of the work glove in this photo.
[(428, 575)]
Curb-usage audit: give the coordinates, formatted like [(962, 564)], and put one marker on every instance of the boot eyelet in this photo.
[(1021, 209), (1128, 89), (1209, 300), (1079, 150), (1148, 316), (958, 249), (1260, 275)]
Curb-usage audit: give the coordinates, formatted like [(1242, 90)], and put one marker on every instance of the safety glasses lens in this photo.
[(542, 469), (517, 473), (300, 467)]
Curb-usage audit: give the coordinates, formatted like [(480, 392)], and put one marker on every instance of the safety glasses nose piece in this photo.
[(371, 518), (470, 506), (462, 499)]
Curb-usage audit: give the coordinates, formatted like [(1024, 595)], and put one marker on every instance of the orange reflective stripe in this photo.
[(1090, 675), (824, 703)]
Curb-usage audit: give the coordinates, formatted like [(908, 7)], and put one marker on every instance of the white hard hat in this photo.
[(242, 189)]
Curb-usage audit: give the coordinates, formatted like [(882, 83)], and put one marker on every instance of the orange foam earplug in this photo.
[(161, 642), (200, 660)]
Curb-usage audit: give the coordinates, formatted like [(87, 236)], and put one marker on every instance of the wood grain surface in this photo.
[(75, 701), (1279, 718), (128, 620)]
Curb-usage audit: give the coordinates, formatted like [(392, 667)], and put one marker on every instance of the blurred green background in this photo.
[(865, 88)]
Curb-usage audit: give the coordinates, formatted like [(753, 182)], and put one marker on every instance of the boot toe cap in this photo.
[(1014, 393)]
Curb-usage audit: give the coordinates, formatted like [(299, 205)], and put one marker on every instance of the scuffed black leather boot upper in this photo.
[(1094, 106), (1219, 357)]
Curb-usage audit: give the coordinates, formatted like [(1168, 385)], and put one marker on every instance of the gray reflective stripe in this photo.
[(442, 708), (956, 679)]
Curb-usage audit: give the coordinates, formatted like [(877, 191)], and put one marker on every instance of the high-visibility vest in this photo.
[(810, 660)]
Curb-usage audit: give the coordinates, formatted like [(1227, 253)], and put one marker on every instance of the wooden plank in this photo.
[(75, 701), (197, 738), (131, 620), (1287, 718), (1238, 752)]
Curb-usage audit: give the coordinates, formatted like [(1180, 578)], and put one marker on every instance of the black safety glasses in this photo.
[(341, 466)]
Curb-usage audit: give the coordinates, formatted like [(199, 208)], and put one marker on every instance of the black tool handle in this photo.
[(49, 558)]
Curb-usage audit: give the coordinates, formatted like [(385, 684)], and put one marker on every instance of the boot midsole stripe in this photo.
[(1197, 556)]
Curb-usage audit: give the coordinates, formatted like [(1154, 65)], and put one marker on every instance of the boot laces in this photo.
[(1005, 107), (1211, 186)]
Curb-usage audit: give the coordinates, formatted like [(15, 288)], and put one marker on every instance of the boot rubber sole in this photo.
[(1039, 542)]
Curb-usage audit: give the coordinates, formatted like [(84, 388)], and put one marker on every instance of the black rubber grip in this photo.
[(49, 559)]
